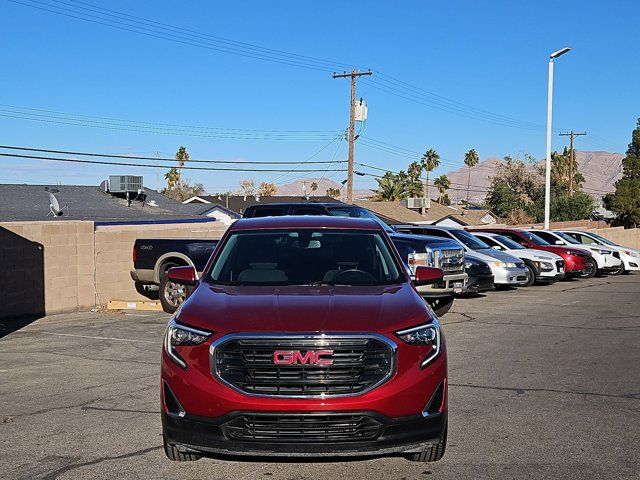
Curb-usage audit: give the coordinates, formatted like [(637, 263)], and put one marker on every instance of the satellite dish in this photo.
[(55, 209)]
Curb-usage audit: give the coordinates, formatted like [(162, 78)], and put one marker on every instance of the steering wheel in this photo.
[(354, 276)]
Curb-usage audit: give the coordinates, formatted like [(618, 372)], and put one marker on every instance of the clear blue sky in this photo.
[(489, 55)]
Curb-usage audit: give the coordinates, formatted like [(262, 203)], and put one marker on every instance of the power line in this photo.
[(155, 159), (26, 113), (144, 165), (123, 21)]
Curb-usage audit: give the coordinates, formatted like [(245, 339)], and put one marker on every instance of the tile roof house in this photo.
[(436, 214), (20, 202)]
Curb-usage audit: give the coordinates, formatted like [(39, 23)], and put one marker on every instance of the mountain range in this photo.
[(600, 170)]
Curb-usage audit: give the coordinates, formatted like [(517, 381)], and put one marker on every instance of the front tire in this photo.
[(620, 270), (175, 455), (442, 305), (591, 274), (532, 275), (432, 453)]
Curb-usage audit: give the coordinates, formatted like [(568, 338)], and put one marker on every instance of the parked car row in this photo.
[(473, 260)]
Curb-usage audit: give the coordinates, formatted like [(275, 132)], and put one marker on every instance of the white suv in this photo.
[(629, 257), (605, 260), (543, 266)]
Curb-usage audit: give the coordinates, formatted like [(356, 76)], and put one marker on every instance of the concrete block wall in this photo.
[(64, 266), (628, 238), (46, 267)]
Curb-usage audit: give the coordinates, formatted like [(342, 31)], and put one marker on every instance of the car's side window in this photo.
[(491, 242)]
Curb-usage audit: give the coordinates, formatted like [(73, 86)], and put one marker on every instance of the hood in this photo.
[(562, 250), (429, 240), (498, 255), (230, 309), (539, 254)]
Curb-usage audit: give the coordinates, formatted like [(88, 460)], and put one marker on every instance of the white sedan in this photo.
[(543, 266), (630, 257)]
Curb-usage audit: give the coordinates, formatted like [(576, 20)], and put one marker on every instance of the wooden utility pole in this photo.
[(571, 134), (352, 121)]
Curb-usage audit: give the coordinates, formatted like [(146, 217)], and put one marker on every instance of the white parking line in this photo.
[(88, 336)]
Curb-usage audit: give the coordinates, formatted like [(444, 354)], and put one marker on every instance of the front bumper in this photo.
[(479, 283), (214, 435), (445, 288), (510, 276)]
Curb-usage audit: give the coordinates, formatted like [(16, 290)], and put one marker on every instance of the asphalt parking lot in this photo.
[(545, 383)]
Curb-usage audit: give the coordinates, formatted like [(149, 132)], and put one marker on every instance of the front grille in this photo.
[(359, 363), (307, 428), (449, 261)]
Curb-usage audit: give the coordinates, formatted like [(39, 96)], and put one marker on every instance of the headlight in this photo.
[(546, 265), (632, 254), (181, 335), (424, 335), (498, 264), (468, 264)]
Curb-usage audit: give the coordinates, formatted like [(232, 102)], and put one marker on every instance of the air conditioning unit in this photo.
[(418, 202), (125, 183)]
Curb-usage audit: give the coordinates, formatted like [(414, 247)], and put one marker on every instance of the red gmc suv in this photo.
[(304, 336)]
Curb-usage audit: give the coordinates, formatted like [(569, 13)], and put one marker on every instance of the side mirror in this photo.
[(428, 275), (497, 247), (559, 242), (183, 276)]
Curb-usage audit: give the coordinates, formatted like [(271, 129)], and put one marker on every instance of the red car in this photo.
[(577, 262), (304, 336)]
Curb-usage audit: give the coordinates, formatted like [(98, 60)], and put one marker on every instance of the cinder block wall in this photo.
[(65, 266), (113, 253), (46, 267), (628, 238)]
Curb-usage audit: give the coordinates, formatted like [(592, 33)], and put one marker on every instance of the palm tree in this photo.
[(391, 187), (429, 162), (314, 187), (182, 156), (442, 183), (471, 159)]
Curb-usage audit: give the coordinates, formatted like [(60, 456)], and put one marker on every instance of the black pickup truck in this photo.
[(153, 257)]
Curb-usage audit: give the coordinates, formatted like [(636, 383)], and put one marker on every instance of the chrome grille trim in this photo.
[(303, 336)]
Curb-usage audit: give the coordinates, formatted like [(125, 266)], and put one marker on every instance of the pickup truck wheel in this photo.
[(441, 305), (432, 453), (172, 453), (171, 295)]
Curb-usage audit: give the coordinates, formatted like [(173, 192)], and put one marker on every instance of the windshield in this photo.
[(357, 212), (305, 257), (536, 239), (602, 239), (469, 240), (567, 238), (507, 242)]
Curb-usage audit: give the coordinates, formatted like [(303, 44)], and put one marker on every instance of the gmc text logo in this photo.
[(296, 357)]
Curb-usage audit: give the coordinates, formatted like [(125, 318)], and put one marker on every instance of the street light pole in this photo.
[(547, 177)]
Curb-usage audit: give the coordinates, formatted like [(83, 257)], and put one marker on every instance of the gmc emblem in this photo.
[(296, 357)]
